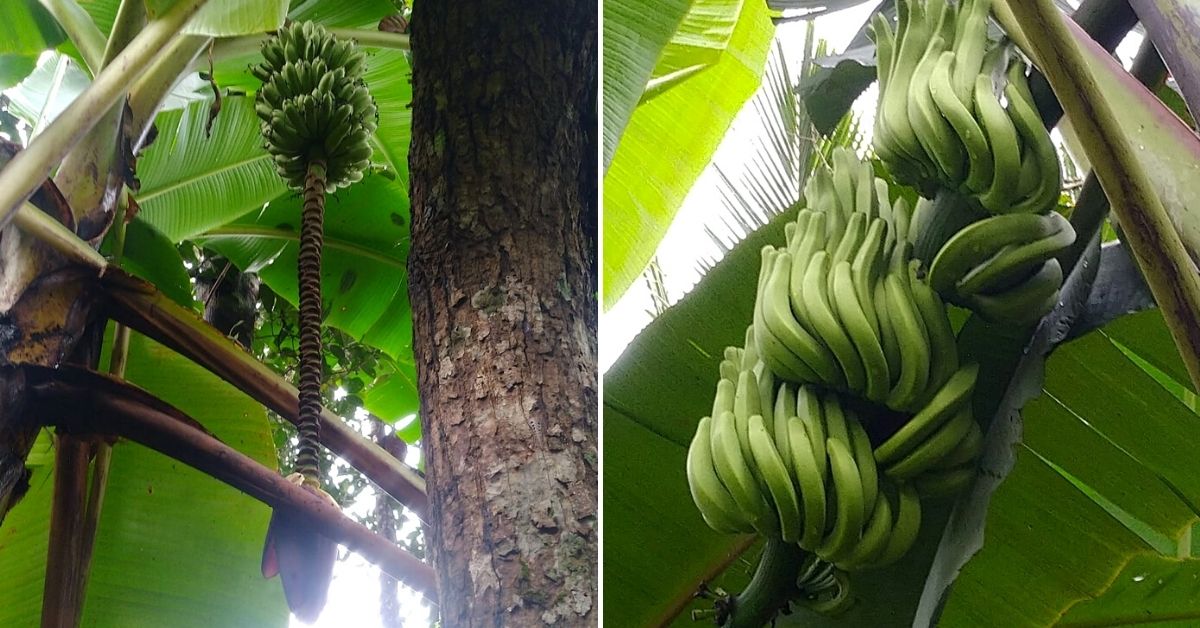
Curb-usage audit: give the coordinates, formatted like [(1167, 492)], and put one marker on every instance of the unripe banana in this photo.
[(716, 505)]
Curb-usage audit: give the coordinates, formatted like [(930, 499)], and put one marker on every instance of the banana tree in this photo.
[(131, 128), (1080, 506)]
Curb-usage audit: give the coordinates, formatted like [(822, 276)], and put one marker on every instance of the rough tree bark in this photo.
[(502, 283)]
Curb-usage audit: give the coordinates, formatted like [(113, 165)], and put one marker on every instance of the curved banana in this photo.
[(1015, 261), (953, 396), (906, 527), (983, 239), (865, 268), (945, 483), (779, 482), (958, 114), (810, 478), (933, 131), (1035, 140), (735, 474), (827, 325), (870, 351), (929, 453), (1003, 140), (943, 347), (723, 401), (777, 315), (1026, 303), (745, 405), (850, 508), (811, 411), (914, 345), (716, 505)]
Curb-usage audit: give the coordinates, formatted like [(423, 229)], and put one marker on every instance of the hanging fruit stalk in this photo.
[(316, 116)]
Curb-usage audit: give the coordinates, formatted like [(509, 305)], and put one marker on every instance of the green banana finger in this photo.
[(848, 522), (1027, 302), (735, 474), (1008, 265), (779, 482), (827, 325), (777, 315), (981, 240), (811, 479), (958, 114), (716, 505), (811, 411), (906, 527), (1036, 139), (947, 483), (1006, 153), (927, 454), (943, 347), (865, 459), (854, 318), (953, 396), (723, 401), (785, 409), (914, 345), (966, 451)]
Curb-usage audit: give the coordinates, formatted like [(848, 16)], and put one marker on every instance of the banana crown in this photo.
[(314, 105)]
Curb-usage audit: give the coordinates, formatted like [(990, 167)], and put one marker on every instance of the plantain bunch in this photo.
[(941, 125), (314, 106)]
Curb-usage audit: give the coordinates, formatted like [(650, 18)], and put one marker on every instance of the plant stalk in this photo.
[(28, 168), (141, 306), (114, 408), (81, 29), (1157, 247)]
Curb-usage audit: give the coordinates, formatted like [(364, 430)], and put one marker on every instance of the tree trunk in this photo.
[(502, 283)]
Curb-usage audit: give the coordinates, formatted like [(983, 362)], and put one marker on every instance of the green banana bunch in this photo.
[(802, 469), (1004, 267), (940, 123), (841, 306), (314, 105)]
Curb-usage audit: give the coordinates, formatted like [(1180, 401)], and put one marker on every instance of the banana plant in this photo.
[(1081, 506), (131, 129)]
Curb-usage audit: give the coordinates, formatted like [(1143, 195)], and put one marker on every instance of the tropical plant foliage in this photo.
[(1085, 507), (207, 188)]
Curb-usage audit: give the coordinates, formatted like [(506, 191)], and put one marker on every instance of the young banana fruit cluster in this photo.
[(841, 305), (940, 123), (314, 106), (845, 336), (799, 465)]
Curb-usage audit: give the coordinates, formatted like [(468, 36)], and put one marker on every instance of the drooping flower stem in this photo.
[(312, 221)]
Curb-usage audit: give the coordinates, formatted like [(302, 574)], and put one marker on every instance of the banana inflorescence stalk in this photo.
[(955, 114), (848, 344), (316, 116)]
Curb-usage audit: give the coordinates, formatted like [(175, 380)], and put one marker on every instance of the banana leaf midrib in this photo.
[(292, 236), (146, 197)]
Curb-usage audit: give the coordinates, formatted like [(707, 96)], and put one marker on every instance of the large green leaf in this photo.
[(26, 29), (227, 18), (174, 547), (192, 182), (1107, 472), (668, 142), (635, 32)]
